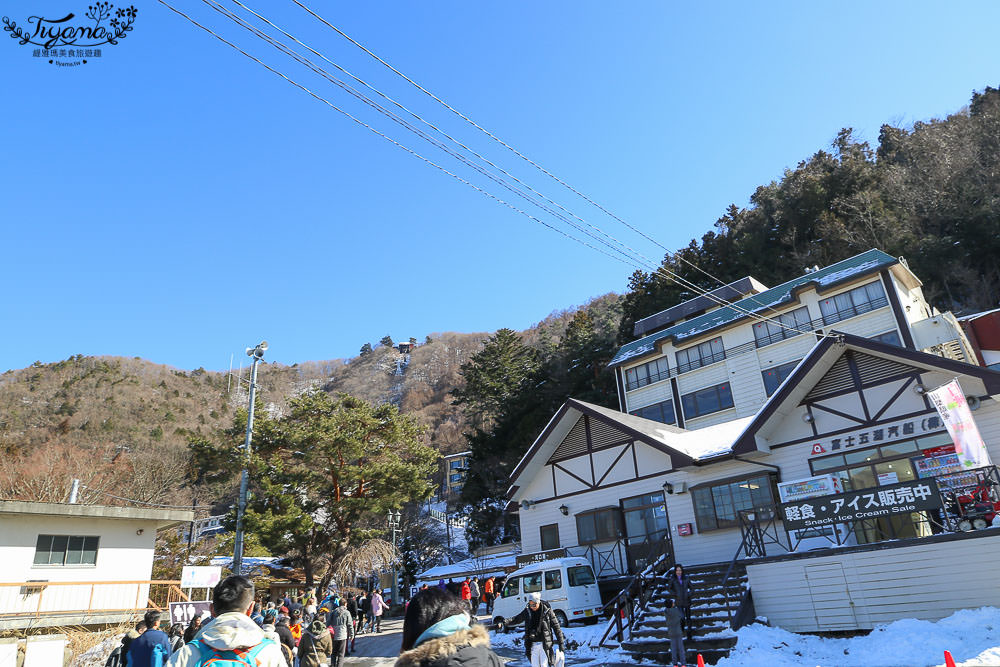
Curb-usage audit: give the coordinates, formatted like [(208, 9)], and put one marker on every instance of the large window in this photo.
[(580, 575), (717, 506), (603, 525), (549, 536), (66, 550), (771, 330), (775, 375), (876, 466), (532, 582), (456, 465), (553, 579), (889, 338), (706, 401), (854, 302), (658, 412), (700, 355), (511, 588), (648, 373)]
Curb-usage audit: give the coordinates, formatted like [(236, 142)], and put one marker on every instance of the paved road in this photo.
[(380, 649)]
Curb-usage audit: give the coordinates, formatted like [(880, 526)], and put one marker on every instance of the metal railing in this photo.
[(801, 328), (607, 559), (43, 599), (626, 606)]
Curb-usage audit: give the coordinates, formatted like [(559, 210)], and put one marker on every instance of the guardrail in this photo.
[(42, 599)]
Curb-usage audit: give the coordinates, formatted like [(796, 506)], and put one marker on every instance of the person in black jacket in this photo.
[(679, 586), (438, 632), (284, 632), (541, 631)]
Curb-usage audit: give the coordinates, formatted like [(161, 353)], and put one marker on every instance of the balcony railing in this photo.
[(799, 329), (34, 600)]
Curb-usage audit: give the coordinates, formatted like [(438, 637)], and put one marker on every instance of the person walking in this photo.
[(679, 586), (541, 632), (271, 632), (438, 632), (378, 607), (231, 635), (474, 592), (488, 594), (342, 627), (366, 611), (316, 645), (352, 609), (466, 593), (675, 618), (143, 650), (130, 637)]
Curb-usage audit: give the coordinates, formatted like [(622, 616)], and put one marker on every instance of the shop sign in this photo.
[(949, 399), (889, 432), (902, 498), (540, 557)]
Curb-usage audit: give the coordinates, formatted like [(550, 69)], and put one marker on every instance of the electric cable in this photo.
[(143, 502), (388, 138)]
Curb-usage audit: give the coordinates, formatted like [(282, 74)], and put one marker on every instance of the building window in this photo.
[(456, 477), (456, 465), (876, 466), (717, 506), (550, 536), (770, 331), (854, 302), (603, 525), (658, 412), (889, 338), (700, 355), (706, 401), (647, 373), (66, 550), (775, 375)]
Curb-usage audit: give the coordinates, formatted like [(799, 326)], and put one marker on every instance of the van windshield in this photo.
[(580, 575)]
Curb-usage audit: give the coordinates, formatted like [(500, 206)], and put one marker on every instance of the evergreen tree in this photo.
[(386, 341), (366, 349)]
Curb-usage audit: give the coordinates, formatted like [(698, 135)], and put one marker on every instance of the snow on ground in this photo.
[(971, 635)]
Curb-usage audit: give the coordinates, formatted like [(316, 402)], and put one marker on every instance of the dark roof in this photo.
[(871, 261), (747, 441), (731, 292)]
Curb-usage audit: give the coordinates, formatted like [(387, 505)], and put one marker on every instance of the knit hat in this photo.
[(535, 597), (317, 627)]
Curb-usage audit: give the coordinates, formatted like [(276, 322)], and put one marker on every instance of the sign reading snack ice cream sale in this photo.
[(913, 496)]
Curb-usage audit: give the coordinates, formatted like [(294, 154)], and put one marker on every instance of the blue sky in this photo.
[(175, 201)]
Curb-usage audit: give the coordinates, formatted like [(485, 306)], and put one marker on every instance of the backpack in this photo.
[(159, 656), (212, 657)]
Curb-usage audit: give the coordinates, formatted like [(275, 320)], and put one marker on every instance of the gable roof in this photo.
[(870, 261), (825, 357)]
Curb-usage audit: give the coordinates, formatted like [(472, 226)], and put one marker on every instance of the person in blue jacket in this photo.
[(143, 648)]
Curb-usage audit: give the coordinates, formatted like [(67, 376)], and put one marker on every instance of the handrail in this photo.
[(623, 605), (40, 599)]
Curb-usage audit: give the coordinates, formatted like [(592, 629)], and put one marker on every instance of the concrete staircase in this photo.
[(711, 635)]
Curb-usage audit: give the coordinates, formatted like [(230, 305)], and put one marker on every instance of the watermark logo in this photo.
[(68, 42)]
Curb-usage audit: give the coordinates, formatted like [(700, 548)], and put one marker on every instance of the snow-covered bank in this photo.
[(972, 636)]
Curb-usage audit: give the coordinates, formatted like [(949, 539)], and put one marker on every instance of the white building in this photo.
[(78, 564), (621, 489)]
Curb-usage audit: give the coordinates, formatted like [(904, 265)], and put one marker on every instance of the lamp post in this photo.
[(256, 353), (394, 518)]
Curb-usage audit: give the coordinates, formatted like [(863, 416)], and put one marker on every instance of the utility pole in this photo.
[(256, 354), (394, 527)]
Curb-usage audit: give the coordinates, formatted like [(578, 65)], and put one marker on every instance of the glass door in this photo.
[(647, 530)]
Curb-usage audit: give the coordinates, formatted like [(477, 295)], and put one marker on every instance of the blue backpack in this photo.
[(159, 657), (212, 657)]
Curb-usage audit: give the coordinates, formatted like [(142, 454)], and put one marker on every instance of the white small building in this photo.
[(68, 564)]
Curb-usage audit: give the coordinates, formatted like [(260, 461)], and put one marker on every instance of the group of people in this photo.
[(293, 632), (474, 592)]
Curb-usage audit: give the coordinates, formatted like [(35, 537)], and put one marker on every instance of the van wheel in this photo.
[(561, 617), (592, 620), (500, 624)]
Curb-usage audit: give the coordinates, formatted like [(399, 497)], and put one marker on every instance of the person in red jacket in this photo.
[(467, 594)]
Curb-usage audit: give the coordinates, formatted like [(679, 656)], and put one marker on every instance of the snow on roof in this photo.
[(867, 262), (485, 566)]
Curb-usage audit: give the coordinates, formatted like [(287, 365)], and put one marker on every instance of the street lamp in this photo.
[(256, 354), (394, 518)]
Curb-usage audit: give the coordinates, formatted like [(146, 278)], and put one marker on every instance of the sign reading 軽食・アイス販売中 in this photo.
[(912, 496)]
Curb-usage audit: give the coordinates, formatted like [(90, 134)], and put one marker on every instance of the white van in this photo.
[(568, 584)]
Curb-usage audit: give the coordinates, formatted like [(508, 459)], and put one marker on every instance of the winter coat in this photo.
[(680, 589), (127, 640), (229, 631), (474, 589), (140, 649), (342, 623), (488, 588), (366, 605), (315, 650), (541, 624), (466, 591), (674, 618), (352, 606), (285, 634), (271, 633), (465, 648), (378, 604)]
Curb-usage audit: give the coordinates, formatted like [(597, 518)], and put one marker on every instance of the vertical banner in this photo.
[(949, 399)]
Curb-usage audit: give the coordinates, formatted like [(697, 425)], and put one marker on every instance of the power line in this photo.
[(395, 118), (304, 61), (388, 138), (143, 502)]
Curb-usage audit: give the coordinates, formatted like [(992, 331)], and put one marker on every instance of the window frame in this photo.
[(673, 412), (599, 537), (789, 366), (707, 354), (858, 305), (558, 577), (541, 536), (531, 575), (765, 333), (648, 373), (84, 541), (708, 488), (719, 396), (891, 332)]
